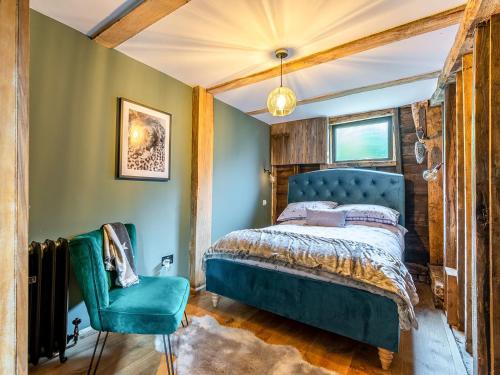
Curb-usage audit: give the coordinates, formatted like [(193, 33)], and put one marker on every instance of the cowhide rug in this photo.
[(207, 348)]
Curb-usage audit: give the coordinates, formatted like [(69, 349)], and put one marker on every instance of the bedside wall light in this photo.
[(432, 174), (270, 174)]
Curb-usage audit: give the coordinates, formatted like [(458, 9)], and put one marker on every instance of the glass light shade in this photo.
[(281, 101), (430, 174)]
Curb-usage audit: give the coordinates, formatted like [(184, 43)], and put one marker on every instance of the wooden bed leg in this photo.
[(385, 358), (215, 299)]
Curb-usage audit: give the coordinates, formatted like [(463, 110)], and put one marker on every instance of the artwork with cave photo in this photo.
[(144, 152)]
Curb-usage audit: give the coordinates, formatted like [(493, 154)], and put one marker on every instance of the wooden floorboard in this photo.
[(427, 350)]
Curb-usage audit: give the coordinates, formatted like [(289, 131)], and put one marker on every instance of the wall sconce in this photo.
[(270, 174), (432, 174)]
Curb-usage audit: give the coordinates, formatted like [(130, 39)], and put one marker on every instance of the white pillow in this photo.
[(369, 213), (297, 211), (325, 218)]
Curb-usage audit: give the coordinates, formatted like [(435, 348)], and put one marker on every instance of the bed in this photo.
[(360, 314)]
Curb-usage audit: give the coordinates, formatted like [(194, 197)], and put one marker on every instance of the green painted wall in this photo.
[(73, 111), (241, 151)]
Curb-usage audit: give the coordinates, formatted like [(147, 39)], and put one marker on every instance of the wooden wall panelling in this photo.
[(417, 238), (282, 174), (201, 183), (459, 145), (14, 129), (467, 79), (494, 179), (434, 120), (300, 142), (450, 200), (480, 136)]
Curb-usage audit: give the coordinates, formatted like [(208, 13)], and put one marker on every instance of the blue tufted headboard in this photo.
[(349, 185)]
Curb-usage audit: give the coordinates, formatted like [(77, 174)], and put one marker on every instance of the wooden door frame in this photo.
[(14, 128)]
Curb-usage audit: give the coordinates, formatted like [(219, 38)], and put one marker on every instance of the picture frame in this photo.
[(144, 142)]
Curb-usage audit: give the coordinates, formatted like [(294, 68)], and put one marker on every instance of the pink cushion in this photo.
[(325, 218)]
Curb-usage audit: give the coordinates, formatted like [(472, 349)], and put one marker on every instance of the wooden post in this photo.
[(480, 136), (459, 144), (201, 183), (467, 78), (434, 120), (494, 179), (449, 205), (14, 69)]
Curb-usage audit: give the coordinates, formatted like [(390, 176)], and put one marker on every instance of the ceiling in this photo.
[(207, 42)]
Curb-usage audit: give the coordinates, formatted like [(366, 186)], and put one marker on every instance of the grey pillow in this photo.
[(297, 210), (325, 218)]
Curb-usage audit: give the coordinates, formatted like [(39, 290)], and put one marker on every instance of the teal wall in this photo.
[(74, 86), (241, 151)]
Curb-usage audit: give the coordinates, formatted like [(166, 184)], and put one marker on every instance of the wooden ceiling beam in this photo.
[(357, 90), (135, 20), (405, 31), (476, 11)]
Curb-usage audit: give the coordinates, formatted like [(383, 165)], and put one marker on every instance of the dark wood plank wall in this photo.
[(417, 239), (300, 142)]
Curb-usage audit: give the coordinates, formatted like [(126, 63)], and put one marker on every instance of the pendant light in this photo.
[(281, 101)]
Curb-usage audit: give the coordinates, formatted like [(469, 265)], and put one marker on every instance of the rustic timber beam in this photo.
[(357, 90), (134, 20), (476, 11), (14, 145), (405, 31), (494, 181), (201, 183), (481, 199), (468, 88)]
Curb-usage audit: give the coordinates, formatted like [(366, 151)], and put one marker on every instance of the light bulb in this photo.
[(430, 174), (281, 101)]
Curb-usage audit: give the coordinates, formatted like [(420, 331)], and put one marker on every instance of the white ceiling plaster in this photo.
[(86, 16), (422, 54), (206, 42), (211, 41)]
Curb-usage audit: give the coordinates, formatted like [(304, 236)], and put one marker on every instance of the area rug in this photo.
[(207, 348)]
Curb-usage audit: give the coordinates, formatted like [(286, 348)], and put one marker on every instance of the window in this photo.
[(365, 140)]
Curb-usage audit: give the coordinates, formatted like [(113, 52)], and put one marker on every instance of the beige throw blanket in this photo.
[(350, 262), (117, 252)]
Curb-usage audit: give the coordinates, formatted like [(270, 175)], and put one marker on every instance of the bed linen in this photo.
[(367, 257)]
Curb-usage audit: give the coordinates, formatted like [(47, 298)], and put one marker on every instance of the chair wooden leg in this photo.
[(215, 299), (386, 357)]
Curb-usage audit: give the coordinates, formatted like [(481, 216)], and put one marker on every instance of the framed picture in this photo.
[(144, 152)]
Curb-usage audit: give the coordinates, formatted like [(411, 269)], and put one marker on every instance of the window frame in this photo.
[(363, 119)]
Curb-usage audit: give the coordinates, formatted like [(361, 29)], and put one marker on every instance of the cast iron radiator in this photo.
[(48, 299)]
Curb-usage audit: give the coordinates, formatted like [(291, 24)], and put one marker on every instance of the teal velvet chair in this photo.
[(155, 306)]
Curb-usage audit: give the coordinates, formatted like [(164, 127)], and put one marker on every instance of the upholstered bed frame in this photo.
[(350, 312)]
